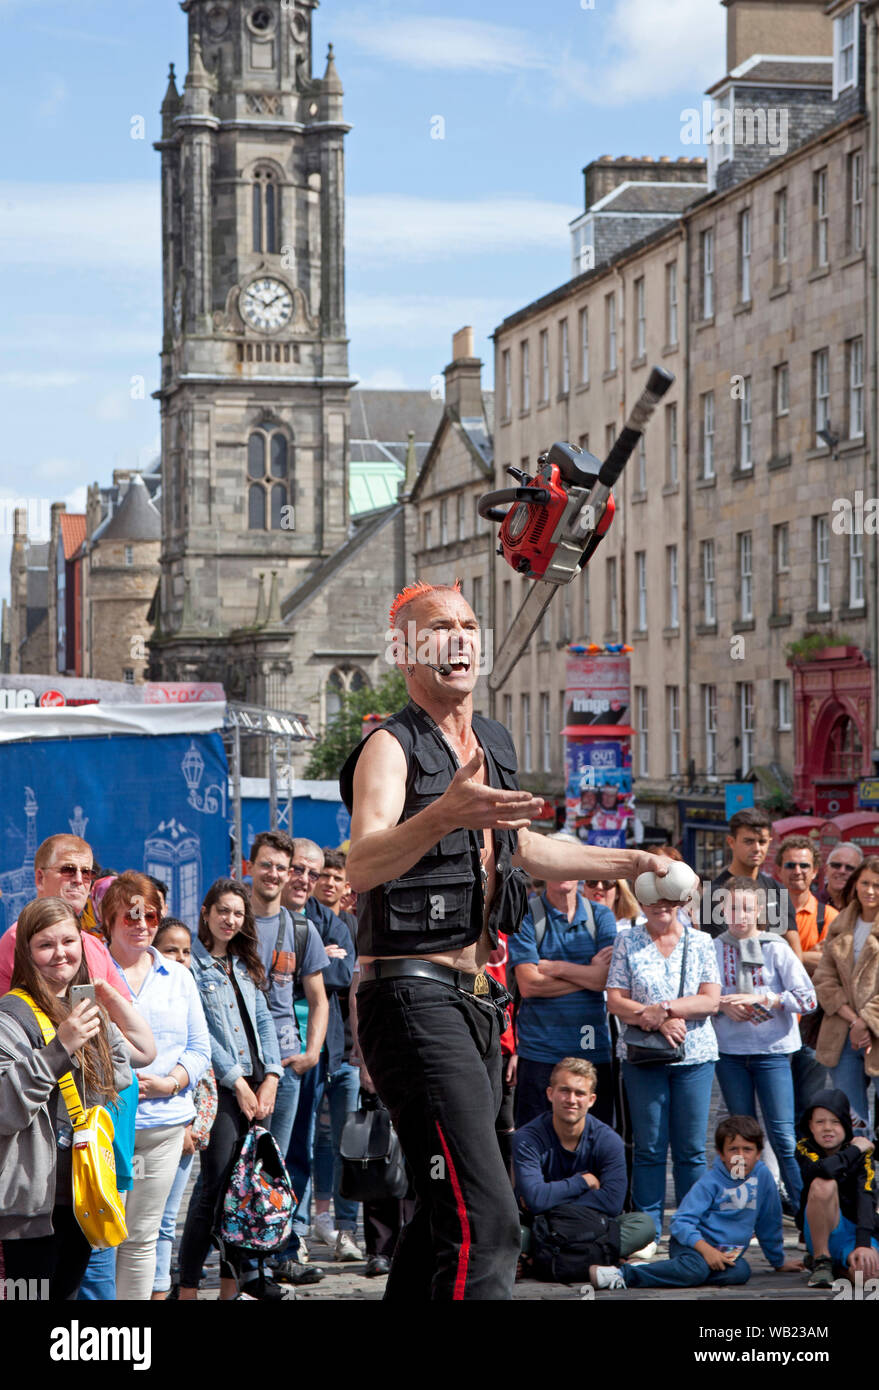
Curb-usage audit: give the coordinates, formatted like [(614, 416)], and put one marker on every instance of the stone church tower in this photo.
[(255, 386)]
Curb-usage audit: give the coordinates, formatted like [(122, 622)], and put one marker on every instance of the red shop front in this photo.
[(832, 730)]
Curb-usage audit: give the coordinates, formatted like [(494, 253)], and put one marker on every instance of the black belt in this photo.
[(427, 970)]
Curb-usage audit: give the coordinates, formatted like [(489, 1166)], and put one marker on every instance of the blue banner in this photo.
[(157, 804), (326, 822)]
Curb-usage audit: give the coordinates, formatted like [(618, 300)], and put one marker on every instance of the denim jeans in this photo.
[(168, 1227), (809, 1076), (283, 1116), (342, 1093), (767, 1077), (669, 1105), (848, 1075), (685, 1269), (99, 1281), (299, 1154)]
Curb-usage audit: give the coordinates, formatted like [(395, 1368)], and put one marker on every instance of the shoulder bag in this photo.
[(650, 1049)]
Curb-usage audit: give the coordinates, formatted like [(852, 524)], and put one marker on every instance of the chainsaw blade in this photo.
[(536, 602)]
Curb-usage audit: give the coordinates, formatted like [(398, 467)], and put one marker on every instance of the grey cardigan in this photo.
[(28, 1146)]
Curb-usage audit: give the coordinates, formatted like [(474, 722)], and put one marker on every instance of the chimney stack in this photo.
[(464, 377)]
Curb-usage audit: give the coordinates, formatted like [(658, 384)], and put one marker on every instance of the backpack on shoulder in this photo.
[(569, 1238)]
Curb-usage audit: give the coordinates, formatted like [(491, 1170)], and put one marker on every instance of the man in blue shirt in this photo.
[(567, 1156), (561, 981)]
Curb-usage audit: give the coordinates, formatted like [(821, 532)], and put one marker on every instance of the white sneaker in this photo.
[(644, 1255), (346, 1249), (324, 1230), (607, 1277), (302, 1253)]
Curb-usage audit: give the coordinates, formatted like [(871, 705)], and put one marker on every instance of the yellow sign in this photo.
[(868, 789)]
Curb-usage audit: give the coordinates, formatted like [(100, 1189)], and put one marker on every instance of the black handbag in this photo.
[(373, 1167), (569, 1238), (651, 1048)]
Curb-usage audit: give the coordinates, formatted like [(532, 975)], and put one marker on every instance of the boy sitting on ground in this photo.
[(736, 1199), (838, 1206)]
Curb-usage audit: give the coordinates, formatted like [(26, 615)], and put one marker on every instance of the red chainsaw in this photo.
[(558, 518)]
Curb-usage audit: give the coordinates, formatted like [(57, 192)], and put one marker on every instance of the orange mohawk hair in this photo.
[(418, 590)]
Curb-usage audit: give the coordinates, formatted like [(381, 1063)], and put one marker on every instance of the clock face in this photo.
[(267, 304)]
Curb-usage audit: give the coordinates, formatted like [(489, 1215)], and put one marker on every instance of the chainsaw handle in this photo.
[(487, 505), (627, 441)]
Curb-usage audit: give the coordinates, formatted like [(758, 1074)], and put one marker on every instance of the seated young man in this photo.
[(736, 1199), (567, 1156), (838, 1207)]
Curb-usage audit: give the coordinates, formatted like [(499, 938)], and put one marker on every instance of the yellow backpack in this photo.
[(97, 1205)]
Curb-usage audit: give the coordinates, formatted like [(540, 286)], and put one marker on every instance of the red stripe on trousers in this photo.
[(464, 1252)]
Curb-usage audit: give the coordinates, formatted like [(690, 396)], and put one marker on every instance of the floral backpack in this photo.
[(257, 1211)]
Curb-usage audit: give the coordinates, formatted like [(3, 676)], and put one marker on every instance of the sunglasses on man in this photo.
[(795, 864), (303, 871), (73, 871)]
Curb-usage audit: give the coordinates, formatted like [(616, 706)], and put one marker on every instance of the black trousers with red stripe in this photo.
[(434, 1055)]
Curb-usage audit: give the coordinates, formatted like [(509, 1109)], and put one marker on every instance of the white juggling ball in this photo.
[(676, 886)]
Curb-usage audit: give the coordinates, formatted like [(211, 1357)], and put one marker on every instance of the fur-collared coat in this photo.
[(838, 980)]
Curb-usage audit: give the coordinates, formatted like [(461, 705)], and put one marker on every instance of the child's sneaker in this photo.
[(606, 1277), (822, 1273), (642, 1256)]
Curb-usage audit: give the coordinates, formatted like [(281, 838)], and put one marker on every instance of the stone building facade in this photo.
[(27, 636), (729, 544), (267, 582)]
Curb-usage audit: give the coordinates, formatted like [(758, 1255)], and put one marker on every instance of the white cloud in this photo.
[(445, 42), (39, 381), (391, 227), (113, 226), (651, 48), (392, 316), (637, 50)]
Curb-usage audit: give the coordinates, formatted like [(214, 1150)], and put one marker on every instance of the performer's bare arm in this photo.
[(558, 860), (382, 850)]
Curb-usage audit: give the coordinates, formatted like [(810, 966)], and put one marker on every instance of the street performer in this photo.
[(439, 829)]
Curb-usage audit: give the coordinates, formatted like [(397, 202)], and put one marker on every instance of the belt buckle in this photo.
[(480, 984)]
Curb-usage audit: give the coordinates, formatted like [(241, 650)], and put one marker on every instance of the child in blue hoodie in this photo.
[(732, 1202)]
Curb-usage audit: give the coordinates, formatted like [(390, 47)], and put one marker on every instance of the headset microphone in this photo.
[(444, 668)]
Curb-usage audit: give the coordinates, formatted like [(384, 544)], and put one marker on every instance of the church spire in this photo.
[(199, 83), (332, 80), (172, 96)]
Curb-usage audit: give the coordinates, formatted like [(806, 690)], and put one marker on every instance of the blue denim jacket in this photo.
[(230, 1056)]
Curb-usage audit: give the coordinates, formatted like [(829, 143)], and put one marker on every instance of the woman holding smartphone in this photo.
[(164, 993), (41, 1237), (247, 1063)]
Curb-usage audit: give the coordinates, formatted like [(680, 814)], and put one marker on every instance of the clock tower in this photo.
[(255, 387)]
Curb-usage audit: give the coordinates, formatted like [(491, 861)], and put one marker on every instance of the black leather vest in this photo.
[(437, 905)]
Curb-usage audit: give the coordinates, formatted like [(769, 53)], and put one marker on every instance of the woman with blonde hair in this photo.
[(846, 981), (41, 1237)]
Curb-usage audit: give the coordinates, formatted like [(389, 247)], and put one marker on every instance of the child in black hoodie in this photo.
[(838, 1206)]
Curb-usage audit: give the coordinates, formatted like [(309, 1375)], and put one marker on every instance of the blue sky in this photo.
[(440, 232)]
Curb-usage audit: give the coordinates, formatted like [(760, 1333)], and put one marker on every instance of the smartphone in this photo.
[(80, 992)]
